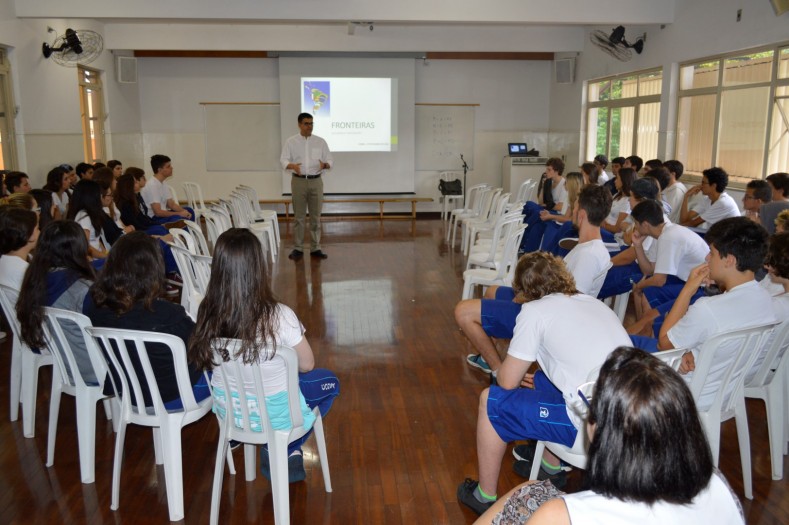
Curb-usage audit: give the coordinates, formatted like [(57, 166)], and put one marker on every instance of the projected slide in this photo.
[(352, 114)]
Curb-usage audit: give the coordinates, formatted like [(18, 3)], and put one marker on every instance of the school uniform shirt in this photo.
[(712, 212), (586, 261), (155, 192), (674, 195), (679, 250)]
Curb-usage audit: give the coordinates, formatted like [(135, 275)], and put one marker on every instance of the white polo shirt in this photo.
[(679, 250)]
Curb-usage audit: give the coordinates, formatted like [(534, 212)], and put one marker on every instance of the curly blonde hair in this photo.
[(539, 274), (782, 221)]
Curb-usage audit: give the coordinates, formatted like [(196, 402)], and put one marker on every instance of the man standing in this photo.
[(306, 156), (162, 207)]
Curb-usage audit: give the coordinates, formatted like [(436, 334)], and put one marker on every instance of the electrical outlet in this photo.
[(739, 15)]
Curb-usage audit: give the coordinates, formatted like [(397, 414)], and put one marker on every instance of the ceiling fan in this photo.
[(615, 43), (75, 47)]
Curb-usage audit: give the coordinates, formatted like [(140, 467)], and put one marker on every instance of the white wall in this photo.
[(702, 28)]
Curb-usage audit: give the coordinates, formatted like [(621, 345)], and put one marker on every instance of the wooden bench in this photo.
[(366, 199)]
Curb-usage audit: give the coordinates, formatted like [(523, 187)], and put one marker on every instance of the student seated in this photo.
[(163, 207), (87, 209), (17, 182), (128, 295), (601, 163), (569, 334), (641, 469), (18, 237), (716, 204), (495, 315), (552, 196), (757, 194), (677, 250), (59, 183), (616, 223), (779, 184), (59, 276), (557, 227), (635, 162), (675, 191), (240, 305)]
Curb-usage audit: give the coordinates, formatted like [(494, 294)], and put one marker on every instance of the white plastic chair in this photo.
[(471, 209), (525, 191), (242, 218), (503, 273), (446, 200), (487, 253), (193, 228), (247, 420), (216, 223), (474, 227), (259, 213), (68, 378), (194, 196), (118, 347), (729, 356), (488, 201), (195, 272), (577, 455), (767, 380), (25, 365)]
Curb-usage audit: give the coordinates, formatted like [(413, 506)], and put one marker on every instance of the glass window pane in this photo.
[(604, 90), (783, 63), (622, 131), (748, 69), (778, 159), (695, 127), (648, 124), (596, 132), (650, 83), (629, 87), (743, 124), (593, 92), (699, 75)]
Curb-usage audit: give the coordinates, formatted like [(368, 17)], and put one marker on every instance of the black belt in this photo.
[(306, 176)]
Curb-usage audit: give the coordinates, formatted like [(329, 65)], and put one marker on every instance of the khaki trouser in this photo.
[(307, 194)]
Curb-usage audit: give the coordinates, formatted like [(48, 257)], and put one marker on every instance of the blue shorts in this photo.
[(657, 295), (647, 344), (526, 413), (498, 315)]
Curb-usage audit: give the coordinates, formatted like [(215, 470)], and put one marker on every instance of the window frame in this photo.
[(8, 135), (99, 116)]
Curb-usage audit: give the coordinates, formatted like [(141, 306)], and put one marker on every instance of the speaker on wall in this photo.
[(126, 70), (780, 6), (564, 69)]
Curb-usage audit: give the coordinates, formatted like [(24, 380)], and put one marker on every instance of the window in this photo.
[(733, 112), (92, 110), (7, 114), (623, 114)]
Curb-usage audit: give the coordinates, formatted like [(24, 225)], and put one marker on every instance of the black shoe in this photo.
[(524, 452), (233, 444), (523, 469), (295, 255), (467, 498), (296, 471), (319, 255)]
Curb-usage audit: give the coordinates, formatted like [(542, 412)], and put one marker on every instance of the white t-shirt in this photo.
[(723, 208), (603, 178), (715, 505), (96, 241), (155, 192), (12, 272), (679, 250), (61, 202), (771, 286), (741, 307), (674, 196), (569, 336), (586, 261), (618, 206), (781, 311), (559, 192)]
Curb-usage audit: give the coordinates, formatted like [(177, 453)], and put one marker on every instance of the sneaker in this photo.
[(172, 290), (296, 471), (467, 498), (525, 452), (477, 361), (234, 444), (523, 469)]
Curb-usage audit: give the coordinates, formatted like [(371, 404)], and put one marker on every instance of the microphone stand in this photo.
[(465, 170)]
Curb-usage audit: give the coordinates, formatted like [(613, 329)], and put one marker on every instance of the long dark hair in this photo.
[(124, 193), (55, 179), (62, 244), (238, 304), (648, 442), (626, 176), (87, 196), (44, 200), (134, 272)]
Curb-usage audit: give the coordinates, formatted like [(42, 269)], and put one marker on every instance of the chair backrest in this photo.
[(502, 231), (597, 282), (524, 191), (8, 297), (475, 197), (194, 194), (215, 225), (183, 239), (510, 256), (765, 365), (195, 271), (223, 208), (132, 374), (201, 246), (450, 175), (721, 365), (241, 218), (85, 358), (250, 421), (487, 202), (252, 194)]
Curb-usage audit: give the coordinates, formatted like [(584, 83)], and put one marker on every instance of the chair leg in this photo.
[(29, 389), (107, 409), (115, 408), (219, 472), (173, 467), (250, 463), (468, 288), (54, 411), (157, 446), (280, 492), (744, 441), (120, 437), (16, 378), (86, 436), (536, 462), (774, 403), (320, 440)]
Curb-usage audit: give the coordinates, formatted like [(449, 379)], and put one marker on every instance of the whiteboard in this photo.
[(242, 137), (443, 133)]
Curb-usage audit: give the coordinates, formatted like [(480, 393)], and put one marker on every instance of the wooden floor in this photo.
[(400, 436)]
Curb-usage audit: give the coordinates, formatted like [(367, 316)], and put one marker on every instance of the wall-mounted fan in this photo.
[(615, 43), (74, 48)]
